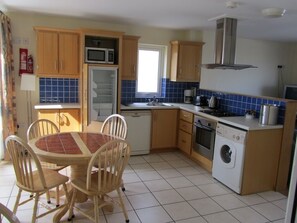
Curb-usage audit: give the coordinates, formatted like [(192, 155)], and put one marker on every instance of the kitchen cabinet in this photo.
[(185, 131), (185, 61), (67, 120), (57, 53), (164, 128), (261, 160), (129, 57)]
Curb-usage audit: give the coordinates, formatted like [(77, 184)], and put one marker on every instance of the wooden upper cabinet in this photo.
[(57, 53), (185, 61), (129, 57)]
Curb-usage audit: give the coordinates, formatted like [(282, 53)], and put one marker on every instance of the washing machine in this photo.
[(228, 161)]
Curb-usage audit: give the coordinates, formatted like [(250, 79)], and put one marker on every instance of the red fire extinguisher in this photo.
[(30, 65)]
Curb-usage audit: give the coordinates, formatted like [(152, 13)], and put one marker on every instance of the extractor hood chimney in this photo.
[(225, 46)]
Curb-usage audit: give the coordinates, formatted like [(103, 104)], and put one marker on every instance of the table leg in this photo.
[(76, 172)]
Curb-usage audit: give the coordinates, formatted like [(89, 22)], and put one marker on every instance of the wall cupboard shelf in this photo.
[(67, 120), (130, 56), (57, 53), (185, 61)]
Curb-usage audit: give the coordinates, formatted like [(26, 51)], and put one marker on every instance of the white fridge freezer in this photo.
[(139, 130), (102, 92)]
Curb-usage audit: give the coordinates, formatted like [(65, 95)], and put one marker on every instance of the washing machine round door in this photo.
[(227, 155)]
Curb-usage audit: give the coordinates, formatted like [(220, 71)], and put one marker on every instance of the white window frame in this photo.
[(162, 49)]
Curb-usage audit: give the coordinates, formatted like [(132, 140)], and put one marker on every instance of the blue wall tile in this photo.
[(62, 90), (170, 91)]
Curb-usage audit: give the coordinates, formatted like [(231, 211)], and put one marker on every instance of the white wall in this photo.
[(266, 55)]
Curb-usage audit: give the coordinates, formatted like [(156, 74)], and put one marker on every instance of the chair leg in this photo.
[(122, 205), (16, 205), (123, 187), (35, 208), (70, 216), (96, 209), (48, 197), (57, 196)]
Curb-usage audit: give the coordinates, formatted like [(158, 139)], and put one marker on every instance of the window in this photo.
[(151, 67)]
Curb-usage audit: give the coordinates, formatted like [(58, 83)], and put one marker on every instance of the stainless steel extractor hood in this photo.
[(225, 46)]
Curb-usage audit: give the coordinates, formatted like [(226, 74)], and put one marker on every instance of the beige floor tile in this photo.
[(143, 167), (153, 215), (136, 160), (168, 196), (178, 163), (281, 203), (269, 211), (169, 173), (158, 185), (213, 189), (151, 175), (179, 182), (228, 201), (205, 206), (179, 211), (135, 188), (193, 220), (130, 178), (222, 217), (119, 217), (153, 158), (169, 156), (251, 199), (200, 179), (188, 171), (272, 195), (191, 193), (161, 166), (143, 200), (248, 215)]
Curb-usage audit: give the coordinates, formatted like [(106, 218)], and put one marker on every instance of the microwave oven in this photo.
[(99, 55)]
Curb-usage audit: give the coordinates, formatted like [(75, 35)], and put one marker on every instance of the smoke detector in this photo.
[(273, 12)]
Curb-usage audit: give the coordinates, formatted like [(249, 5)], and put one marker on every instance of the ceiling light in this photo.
[(231, 4), (273, 12)]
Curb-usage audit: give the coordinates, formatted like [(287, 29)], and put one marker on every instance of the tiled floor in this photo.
[(168, 187)]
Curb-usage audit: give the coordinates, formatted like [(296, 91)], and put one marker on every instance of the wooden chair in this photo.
[(8, 215), (31, 177), (115, 125), (112, 157), (39, 128)]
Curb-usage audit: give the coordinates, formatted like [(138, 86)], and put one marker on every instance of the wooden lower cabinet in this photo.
[(67, 120), (261, 160), (164, 128), (185, 131)]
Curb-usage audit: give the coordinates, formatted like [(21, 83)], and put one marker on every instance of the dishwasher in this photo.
[(139, 130)]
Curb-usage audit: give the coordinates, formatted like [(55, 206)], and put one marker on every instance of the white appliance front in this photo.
[(228, 159), (102, 87), (139, 130)]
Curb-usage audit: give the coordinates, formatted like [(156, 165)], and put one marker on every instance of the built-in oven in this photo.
[(204, 131)]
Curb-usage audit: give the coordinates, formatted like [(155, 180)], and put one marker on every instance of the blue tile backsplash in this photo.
[(170, 91), (62, 90), (65, 90), (174, 92)]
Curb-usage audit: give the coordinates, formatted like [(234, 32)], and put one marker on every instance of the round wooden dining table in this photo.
[(70, 148)]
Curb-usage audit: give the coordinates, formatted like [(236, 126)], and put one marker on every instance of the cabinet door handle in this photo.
[(61, 65), (56, 65)]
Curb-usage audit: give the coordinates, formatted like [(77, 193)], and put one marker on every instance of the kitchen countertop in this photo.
[(237, 121), (56, 106)]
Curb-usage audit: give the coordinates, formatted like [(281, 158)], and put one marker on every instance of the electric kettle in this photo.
[(213, 102)]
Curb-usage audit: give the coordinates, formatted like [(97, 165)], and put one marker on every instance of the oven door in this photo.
[(204, 138)]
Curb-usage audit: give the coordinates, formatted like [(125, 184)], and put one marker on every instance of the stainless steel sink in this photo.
[(148, 104), (158, 104)]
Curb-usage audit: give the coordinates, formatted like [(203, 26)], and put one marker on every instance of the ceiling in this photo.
[(174, 14)]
